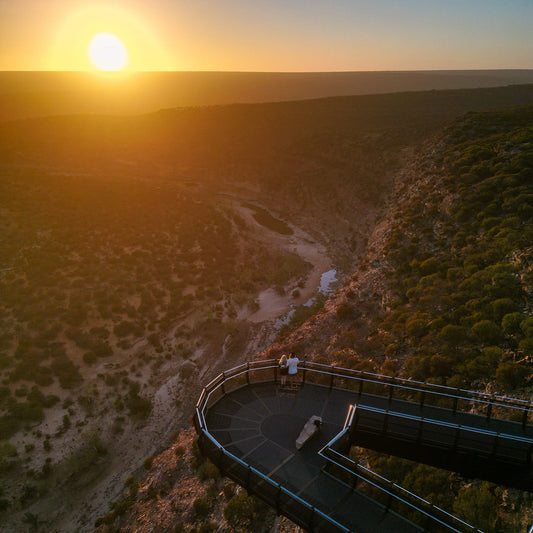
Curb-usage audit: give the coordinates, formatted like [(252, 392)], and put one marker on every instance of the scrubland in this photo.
[(131, 261)]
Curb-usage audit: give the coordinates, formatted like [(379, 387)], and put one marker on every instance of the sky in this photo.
[(271, 35)]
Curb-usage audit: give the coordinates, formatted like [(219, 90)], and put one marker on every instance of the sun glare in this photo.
[(107, 52)]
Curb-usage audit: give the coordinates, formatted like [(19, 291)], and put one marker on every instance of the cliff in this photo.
[(443, 292)]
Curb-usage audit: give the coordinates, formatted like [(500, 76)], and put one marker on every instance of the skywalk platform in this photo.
[(248, 425)]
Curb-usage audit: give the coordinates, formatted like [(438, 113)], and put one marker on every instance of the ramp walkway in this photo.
[(248, 426)]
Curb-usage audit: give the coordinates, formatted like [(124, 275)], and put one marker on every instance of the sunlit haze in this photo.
[(274, 35)]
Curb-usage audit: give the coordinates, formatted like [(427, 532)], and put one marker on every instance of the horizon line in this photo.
[(126, 71)]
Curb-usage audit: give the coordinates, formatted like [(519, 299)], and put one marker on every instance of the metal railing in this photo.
[(496, 445), (425, 514), (283, 500), (425, 394), (291, 505)]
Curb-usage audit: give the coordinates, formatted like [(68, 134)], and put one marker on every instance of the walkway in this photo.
[(248, 426)]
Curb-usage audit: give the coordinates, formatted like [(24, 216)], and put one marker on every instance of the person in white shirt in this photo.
[(292, 365)]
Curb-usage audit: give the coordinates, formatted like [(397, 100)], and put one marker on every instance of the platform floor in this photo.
[(260, 424)]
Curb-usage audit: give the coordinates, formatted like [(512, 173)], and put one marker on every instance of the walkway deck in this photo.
[(250, 424), (260, 423)]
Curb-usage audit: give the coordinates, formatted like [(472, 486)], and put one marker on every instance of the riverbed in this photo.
[(273, 305)]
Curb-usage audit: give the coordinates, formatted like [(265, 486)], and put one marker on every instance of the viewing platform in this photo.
[(248, 426)]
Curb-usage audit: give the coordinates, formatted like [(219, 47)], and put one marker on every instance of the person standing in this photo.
[(283, 369), (292, 364)]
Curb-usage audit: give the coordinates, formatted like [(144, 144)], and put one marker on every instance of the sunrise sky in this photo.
[(271, 35)]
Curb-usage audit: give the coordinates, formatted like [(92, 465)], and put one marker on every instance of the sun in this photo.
[(107, 52)]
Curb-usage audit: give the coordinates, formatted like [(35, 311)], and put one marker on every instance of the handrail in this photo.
[(392, 489), (336, 373), (270, 482), (432, 421), (484, 399), (426, 386)]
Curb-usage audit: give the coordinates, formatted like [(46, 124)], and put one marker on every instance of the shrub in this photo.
[(239, 511), (511, 375), (138, 406), (7, 449), (229, 490), (487, 332), (502, 307), (526, 346), (527, 326), (477, 505), (208, 527), (345, 311), (201, 507), (511, 323), (453, 335), (208, 470), (89, 358), (416, 327)]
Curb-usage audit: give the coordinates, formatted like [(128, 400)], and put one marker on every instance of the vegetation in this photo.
[(459, 255), (119, 257), (242, 511), (450, 294)]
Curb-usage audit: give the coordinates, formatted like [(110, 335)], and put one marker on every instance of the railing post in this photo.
[(489, 408), (420, 428), (278, 497), (455, 402), (456, 440), (311, 520), (353, 427), (248, 373), (524, 416), (385, 423), (332, 378), (422, 400), (248, 473), (223, 387), (391, 391), (495, 444), (304, 372), (360, 392)]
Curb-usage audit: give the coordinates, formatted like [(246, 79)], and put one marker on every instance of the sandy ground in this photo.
[(273, 305), (74, 505)]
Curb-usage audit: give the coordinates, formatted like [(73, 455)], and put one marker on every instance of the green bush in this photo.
[(502, 307), (208, 527), (511, 323), (239, 511), (527, 327), (478, 505), (453, 335), (207, 470), (511, 375), (201, 507), (487, 332), (526, 346), (7, 449)]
